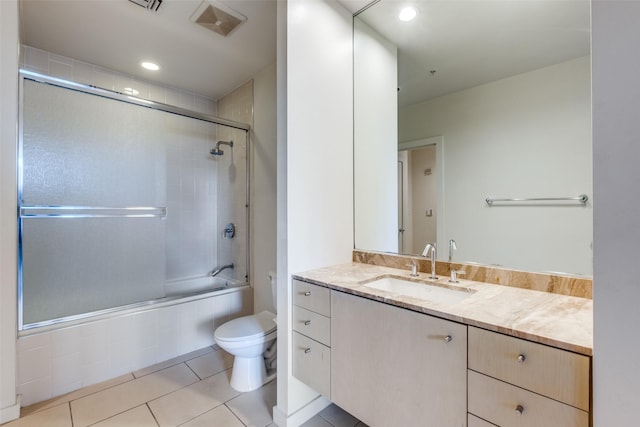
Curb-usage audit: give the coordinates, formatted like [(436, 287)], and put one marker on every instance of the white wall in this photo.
[(315, 189), (375, 140), (524, 136), (616, 153), (264, 187), (9, 42)]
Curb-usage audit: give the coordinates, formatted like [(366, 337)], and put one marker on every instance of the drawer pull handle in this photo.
[(519, 410), (521, 358), (307, 322), (306, 294), (307, 350), (448, 339)]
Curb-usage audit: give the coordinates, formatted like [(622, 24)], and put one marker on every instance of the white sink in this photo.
[(422, 290)]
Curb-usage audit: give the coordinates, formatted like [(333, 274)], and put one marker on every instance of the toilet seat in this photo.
[(247, 327)]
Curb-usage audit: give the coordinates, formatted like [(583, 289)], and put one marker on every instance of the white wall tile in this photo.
[(35, 391), (83, 73), (65, 373), (66, 341), (157, 93), (60, 59), (95, 348), (34, 364), (34, 341), (36, 60), (123, 81), (94, 373), (61, 70)]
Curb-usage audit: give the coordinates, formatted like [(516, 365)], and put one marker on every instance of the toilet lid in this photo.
[(247, 327)]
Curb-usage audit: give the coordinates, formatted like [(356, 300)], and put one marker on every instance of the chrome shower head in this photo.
[(217, 151)]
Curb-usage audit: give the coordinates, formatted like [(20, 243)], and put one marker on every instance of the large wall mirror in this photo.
[(472, 100)]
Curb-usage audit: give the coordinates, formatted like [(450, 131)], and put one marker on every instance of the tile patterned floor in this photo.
[(191, 391)]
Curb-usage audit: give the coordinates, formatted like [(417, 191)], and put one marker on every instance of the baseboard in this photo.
[(302, 415), (10, 412)]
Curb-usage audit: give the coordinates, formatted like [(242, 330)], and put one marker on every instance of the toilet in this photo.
[(247, 338)]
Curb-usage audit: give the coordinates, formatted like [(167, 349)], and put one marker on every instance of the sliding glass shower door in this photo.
[(114, 200)]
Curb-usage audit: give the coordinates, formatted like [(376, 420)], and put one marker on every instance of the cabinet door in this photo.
[(395, 367)]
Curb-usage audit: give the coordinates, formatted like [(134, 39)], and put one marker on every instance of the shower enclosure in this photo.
[(123, 202)]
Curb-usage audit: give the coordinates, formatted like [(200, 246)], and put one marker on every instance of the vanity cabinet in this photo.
[(395, 367), (518, 382), (311, 322)]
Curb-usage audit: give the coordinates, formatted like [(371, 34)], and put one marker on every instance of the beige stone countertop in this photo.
[(561, 321)]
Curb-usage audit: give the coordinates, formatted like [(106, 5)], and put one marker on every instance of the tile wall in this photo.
[(55, 362), (232, 166)]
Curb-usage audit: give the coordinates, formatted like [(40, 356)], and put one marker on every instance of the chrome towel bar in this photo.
[(92, 212), (583, 198)]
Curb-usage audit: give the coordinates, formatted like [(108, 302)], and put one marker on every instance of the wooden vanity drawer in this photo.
[(312, 324), (559, 374), (312, 297), (312, 363), (506, 405), (474, 421)]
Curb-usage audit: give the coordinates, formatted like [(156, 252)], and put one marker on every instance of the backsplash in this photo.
[(544, 282)]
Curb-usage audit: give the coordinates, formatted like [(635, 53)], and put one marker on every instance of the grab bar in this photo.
[(583, 198), (92, 212)]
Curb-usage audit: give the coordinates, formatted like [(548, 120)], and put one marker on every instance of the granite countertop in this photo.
[(558, 320)]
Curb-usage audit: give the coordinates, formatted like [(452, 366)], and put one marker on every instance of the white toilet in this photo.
[(247, 338)]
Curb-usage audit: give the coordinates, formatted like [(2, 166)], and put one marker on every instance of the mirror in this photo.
[(501, 92)]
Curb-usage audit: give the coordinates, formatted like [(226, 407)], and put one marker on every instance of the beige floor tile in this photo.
[(176, 360), (211, 363), (189, 402), (118, 399), (58, 416), (338, 417), (218, 417), (255, 408), (136, 417), (75, 395)]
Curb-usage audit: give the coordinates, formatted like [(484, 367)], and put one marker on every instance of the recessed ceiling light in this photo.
[(150, 66), (407, 14)]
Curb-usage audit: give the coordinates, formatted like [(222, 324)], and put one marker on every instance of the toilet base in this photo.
[(249, 373)]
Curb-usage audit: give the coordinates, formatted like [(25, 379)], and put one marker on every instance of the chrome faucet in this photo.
[(452, 247), (216, 271), (430, 249), (414, 268)]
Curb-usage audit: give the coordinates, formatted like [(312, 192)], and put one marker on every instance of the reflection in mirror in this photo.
[(505, 86)]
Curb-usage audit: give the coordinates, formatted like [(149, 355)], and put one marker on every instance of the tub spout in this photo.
[(216, 271)]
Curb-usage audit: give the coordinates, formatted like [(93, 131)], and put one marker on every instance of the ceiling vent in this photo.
[(152, 5), (217, 17)]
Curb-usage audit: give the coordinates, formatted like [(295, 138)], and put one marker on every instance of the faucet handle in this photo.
[(454, 275), (414, 268)]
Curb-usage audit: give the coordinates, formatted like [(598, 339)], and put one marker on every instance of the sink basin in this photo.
[(422, 290)]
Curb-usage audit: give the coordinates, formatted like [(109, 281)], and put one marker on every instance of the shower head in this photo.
[(217, 151)]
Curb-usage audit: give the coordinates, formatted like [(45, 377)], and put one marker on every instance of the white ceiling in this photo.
[(118, 34), (471, 42), (467, 42)]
